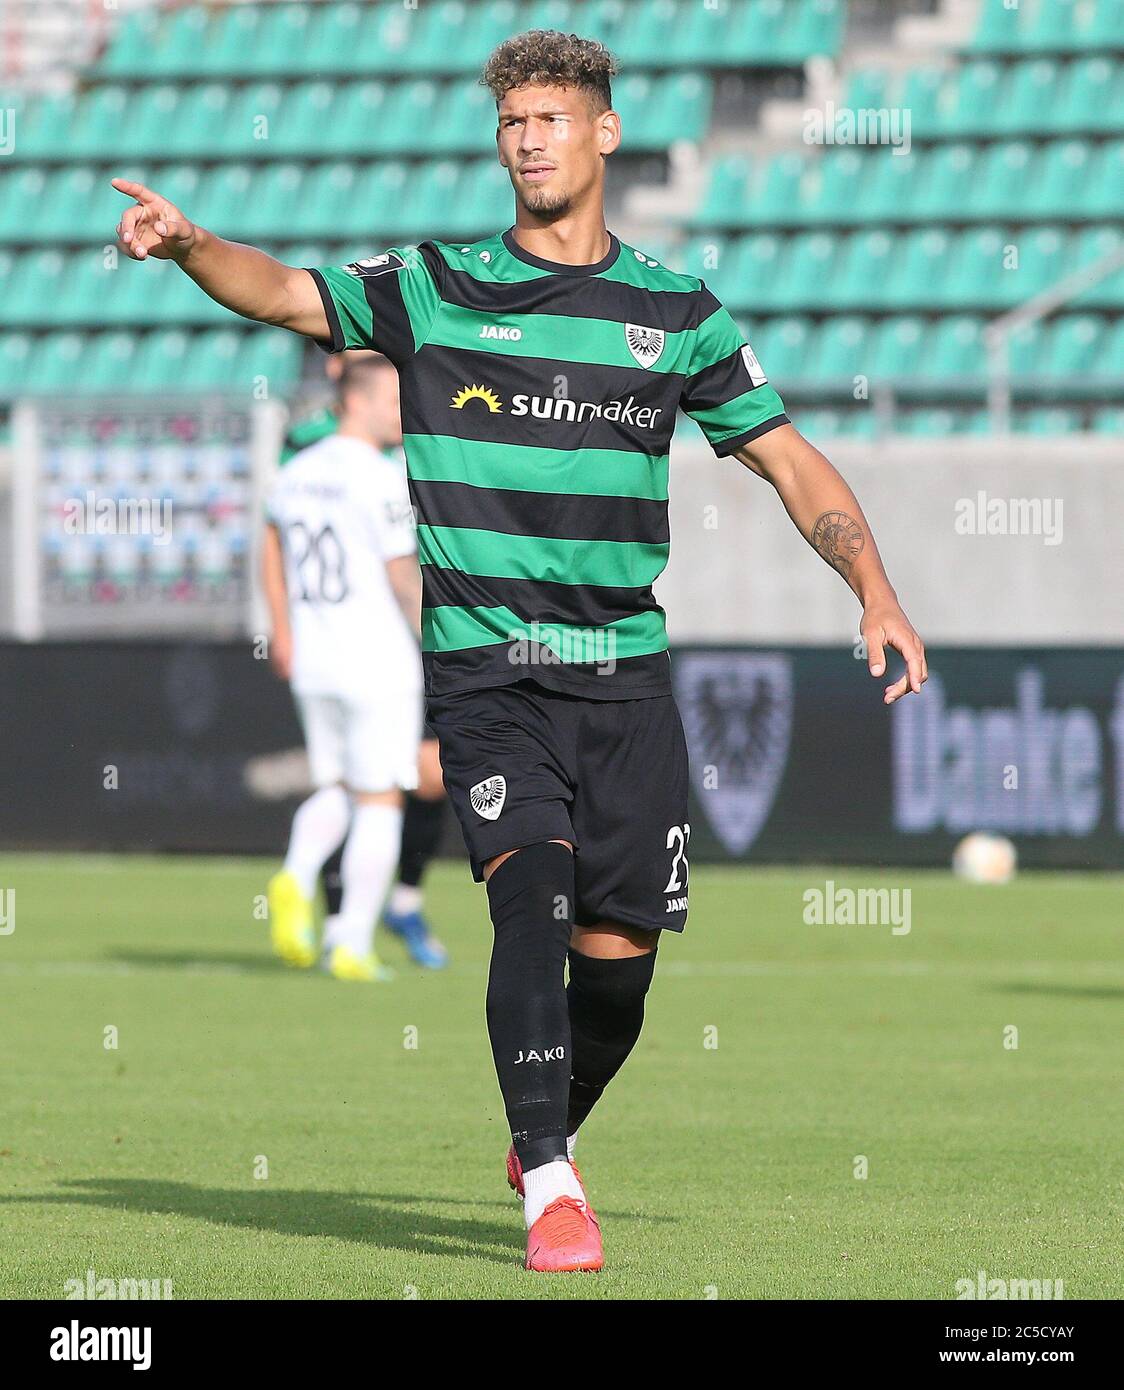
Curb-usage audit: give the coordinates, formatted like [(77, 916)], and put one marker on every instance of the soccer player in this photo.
[(343, 587), (424, 814), (541, 370)]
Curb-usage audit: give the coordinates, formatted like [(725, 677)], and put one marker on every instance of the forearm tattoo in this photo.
[(839, 539)]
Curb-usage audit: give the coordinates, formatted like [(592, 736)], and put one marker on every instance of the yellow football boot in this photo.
[(290, 921), (343, 964)]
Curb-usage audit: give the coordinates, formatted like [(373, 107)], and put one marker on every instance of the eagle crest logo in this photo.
[(645, 344), (487, 797)]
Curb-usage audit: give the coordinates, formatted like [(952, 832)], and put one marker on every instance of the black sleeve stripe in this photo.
[(392, 332), (336, 343), (727, 446), (719, 383)]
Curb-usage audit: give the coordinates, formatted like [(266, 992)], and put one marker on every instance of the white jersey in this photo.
[(343, 510)]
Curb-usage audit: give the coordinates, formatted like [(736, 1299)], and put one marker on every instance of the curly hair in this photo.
[(549, 58)]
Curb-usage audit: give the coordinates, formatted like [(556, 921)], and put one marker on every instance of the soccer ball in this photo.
[(981, 858)]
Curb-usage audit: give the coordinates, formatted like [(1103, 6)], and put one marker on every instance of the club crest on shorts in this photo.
[(487, 797), (737, 715), (645, 344)]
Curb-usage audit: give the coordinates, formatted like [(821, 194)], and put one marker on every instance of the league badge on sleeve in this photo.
[(376, 265), (753, 367)]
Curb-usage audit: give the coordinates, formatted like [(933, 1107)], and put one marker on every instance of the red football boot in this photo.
[(566, 1237)]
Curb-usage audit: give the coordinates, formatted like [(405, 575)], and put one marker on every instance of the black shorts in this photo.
[(523, 764)]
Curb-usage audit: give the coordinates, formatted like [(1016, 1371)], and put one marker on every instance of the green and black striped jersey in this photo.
[(538, 404)]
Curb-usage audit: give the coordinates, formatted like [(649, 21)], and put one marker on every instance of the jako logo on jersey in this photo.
[(477, 393), (645, 344), (376, 265), (507, 335), (753, 367), (487, 797)]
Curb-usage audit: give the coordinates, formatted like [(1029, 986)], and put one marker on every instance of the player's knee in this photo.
[(531, 900), (610, 985)]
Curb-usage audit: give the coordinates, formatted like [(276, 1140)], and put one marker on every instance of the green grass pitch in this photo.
[(776, 1056)]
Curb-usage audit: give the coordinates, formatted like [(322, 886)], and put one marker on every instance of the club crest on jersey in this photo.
[(376, 265), (645, 344), (753, 367), (487, 797)]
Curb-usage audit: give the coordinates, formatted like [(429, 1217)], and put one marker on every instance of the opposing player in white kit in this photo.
[(344, 590)]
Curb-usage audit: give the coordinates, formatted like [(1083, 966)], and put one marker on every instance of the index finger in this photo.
[(135, 190), (910, 649)]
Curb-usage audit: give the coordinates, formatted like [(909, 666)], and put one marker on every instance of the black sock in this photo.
[(421, 834), (531, 898), (606, 1003), (331, 876)]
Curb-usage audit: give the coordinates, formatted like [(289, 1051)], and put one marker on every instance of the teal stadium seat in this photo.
[(773, 192), (1091, 96), (305, 121), (1090, 246), (1030, 100), (811, 27), (204, 115), (999, 183), (58, 363), (969, 98), (842, 352), (16, 363), (897, 350), (955, 350), (921, 271), (179, 40), (131, 48), (808, 272), (890, 185), (944, 176), (865, 270)]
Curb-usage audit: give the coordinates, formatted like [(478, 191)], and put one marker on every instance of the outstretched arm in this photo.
[(826, 512), (238, 277)]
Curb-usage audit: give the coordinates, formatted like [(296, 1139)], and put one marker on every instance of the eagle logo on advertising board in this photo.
[(737, 716)]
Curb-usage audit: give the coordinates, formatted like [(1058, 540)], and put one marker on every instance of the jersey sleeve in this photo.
[(386, 302), (726, 390), (392, 516)]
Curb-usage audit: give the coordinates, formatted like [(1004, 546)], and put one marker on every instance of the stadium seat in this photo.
[(1090, 97), (955, 351), (176, 45), (727, 192), (841, 353), (897, 349), (1090, 246), (999, 183), (58, 363), (921, 271), (130, 51), (16, 358), (943, 178), (864, 270)]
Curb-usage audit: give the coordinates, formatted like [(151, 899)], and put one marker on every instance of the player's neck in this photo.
[(578, 240)]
